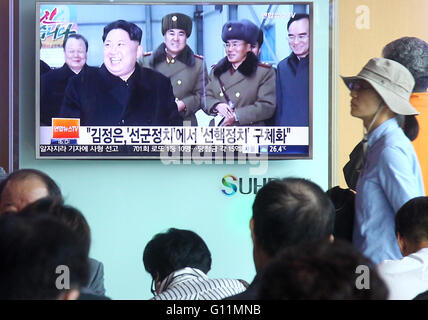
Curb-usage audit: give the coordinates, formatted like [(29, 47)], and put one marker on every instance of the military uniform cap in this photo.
[(177, 21), (240, 30)]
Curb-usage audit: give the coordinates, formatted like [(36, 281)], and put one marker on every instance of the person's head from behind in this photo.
[(75, 51), (174, 250), (25, 186), (68, 215), (41, 258), (122, 47), (321, 271), (411, 225), (412, 53), (257, 47), (381, 91), (286, 212), (298, 34)]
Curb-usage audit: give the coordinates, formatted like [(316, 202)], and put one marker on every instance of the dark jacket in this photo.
[(292, 91), (44, 67), (352, 168), (99, 98), (252, 292), (52, 89)]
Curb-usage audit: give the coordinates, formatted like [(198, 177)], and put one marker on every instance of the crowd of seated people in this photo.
[(295, 254), (32, 193), (307, 244)]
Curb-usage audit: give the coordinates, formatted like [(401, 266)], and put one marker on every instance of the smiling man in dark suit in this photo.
[(120, 92)]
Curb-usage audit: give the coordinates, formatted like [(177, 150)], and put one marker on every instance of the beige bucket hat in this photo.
[(392, 81)]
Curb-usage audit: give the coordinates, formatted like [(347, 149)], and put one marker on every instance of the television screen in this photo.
[(174, 81)]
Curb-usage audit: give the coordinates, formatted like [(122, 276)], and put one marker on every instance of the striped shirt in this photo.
[(193, 284)]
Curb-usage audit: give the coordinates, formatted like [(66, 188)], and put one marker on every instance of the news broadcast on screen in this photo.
[(177, 80)]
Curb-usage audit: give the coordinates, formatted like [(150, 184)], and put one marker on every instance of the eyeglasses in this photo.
[(359, 85), (299, 37), (152, 288), (233, 45)]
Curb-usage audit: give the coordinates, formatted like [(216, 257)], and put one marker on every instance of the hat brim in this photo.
[(395, 102)]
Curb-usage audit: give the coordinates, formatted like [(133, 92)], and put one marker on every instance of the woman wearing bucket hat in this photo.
[(412, 53), (390, 174), (242, 90)]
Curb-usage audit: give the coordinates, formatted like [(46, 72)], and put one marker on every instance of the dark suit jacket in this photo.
[(52, 89), (97, 98)]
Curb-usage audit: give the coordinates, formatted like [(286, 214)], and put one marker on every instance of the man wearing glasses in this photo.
[(242, 90), (292, 82), (176, 60)]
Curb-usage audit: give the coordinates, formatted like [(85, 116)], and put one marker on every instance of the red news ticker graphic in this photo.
[(65, 128)]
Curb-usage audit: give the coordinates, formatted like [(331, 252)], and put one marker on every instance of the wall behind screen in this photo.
[(127, 201)]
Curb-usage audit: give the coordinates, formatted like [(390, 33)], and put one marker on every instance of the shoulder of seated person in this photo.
[(265, 65), (198, 56)]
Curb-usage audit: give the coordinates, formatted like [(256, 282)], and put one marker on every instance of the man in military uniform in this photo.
[(176, 60), (242, 90)]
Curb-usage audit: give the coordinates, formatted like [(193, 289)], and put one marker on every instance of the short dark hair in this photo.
[(290, 211), (134, 31), (320, 271), (68, 215), (22, 174), (296, 17), (31, 249), (77, 37), (174, 250), (411, 220), (412, 53)]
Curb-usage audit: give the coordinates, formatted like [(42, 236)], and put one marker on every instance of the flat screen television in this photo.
[(98, 113)]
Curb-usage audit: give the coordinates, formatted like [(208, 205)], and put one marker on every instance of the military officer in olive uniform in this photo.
[(174, 59), (241, 90)]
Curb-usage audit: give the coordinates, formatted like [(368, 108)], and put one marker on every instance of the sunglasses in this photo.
[(359, 85)]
